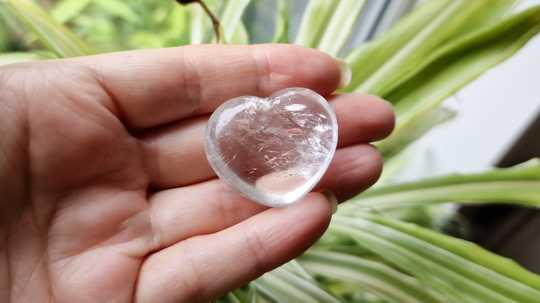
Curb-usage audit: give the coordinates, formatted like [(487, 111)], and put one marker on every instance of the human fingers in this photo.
[(180, 213), (154, 87), (205, 267), (175, 155)]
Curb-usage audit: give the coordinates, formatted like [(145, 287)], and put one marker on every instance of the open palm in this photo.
[(105, 192)]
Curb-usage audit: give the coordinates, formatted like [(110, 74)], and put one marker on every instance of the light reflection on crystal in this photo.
[(273, 150)]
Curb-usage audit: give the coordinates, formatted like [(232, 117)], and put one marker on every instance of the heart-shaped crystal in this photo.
[(273, 150)]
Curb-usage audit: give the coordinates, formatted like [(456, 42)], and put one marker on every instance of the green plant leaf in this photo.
[(234, 298), (340, 26), (197, 27), (10, 58), (458, 15), (456, 65), (314, 21), (379, 65), (281, 285), (65, 10), (516, 185), (393, 167), (240, 35), (54, 36), (177, 27), (460, 270), (373, 276), (367, 58), (119, 9), (470, 251), (418, 127), (253, 295), (294, 267), (281, 31), (232, 16), (200, 25)]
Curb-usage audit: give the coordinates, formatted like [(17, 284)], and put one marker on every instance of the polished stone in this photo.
[(273, 150)]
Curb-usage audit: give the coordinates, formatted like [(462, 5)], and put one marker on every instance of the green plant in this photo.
[(383, 245)]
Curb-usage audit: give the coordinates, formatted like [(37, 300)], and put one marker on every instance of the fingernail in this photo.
[(331, 198), (345, 73)]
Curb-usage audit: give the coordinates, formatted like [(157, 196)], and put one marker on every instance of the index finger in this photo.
[(154, 87)]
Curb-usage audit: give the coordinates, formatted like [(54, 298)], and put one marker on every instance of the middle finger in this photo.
[(174, 155)]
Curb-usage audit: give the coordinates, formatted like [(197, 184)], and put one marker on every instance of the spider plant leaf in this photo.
[(281, 32), (315, 19), (472, 252), (454, 66), (340, 26), (516, 185), (422, 124), (65, 10), (458, 15), (367, 58), (240, 35), (382, 63), (177, 31), (373, 276), (118, 9), (197, 25), (393, 167), (281, 285), (17, 57), (253, 295), (53, 35), (231, 17), (462, 271), (234, 298), (295, 267)]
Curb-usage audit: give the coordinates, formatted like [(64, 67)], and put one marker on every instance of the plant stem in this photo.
[(215, 21)]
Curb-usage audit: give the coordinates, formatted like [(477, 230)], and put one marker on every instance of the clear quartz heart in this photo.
[(273, 150)]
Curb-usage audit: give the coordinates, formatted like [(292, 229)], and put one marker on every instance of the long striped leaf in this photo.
[(456, 65), (234, 298), (10, 58), (53, 35), (200, 25), (457, 16), (281, 31), (294, 267), (231, 17), (467, 57), (314, 21), (281, 285), (517, 185), (367, 58), (65, 10), (240, 35), (421, 125), (340, 26), (197, 26), (118, 8), (458, 269), (375, 277), (469, 251), (390, 58)]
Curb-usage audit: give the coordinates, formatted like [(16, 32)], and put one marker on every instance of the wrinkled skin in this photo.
[(105, 193)]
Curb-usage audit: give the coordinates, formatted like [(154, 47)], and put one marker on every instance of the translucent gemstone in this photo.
[(273, 150)]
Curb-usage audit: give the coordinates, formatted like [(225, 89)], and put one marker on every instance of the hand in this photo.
[(105, 192)]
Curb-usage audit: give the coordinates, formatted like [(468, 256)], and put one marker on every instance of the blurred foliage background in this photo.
[(108, 25)]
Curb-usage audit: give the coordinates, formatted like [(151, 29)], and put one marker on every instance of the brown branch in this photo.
[(215, 21)]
